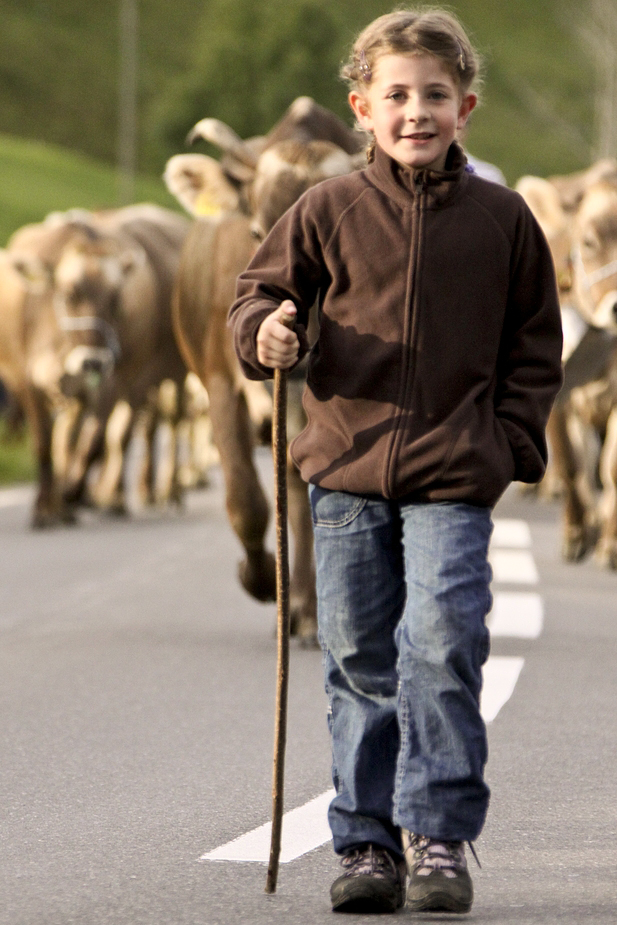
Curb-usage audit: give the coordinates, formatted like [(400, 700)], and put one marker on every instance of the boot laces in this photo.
[(431, 854), (369, 860)]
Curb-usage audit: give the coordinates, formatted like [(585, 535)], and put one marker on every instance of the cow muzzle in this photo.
[(85, 370)]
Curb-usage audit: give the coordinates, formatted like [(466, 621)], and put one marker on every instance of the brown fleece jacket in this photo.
[(439, 348)]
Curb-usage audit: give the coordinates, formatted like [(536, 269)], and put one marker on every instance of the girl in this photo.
[(428, 391)]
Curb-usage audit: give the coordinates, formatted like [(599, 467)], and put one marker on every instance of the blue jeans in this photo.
[(403, 592)]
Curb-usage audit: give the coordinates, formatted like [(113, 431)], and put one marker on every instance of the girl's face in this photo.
[(414, 108)]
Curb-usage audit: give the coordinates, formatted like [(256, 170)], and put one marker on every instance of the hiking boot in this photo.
[(438, 877), (374, 881)]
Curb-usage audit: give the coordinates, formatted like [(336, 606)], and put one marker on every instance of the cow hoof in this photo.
[(41, 520), (308, 640), (606, 554), (258, 577), (577, 544), (68, 516), (304, 628)]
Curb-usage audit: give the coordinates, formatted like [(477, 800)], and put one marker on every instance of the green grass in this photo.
[(17, 462), (38, 178)]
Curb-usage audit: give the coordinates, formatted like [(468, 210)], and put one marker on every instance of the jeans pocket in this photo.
[(334, 508)]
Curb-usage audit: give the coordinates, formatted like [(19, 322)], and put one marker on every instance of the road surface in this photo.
[(137, 701)]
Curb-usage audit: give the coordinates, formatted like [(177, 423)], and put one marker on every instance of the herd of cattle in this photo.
[(113, 336)]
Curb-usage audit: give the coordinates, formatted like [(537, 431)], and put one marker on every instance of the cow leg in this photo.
[(607, 547), (259, 403), (47, 505), (165, 480), (303, 597), (108, 492), (579, 530), (83, 451), (247, 507), (63, 439)]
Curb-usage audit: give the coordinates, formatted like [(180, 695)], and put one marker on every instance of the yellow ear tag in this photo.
[(206, 206)]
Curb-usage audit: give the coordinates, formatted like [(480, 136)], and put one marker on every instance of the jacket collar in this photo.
[(401, 182)]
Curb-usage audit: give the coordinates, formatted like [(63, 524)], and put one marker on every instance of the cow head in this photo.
[(88, 279), (595, 256), (262, 177)]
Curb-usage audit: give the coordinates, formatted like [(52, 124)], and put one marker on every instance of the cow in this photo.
[(236, 202), (30, 367), (112, 276), (595, 287), (577, 426)]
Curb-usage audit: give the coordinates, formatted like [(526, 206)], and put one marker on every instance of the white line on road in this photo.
[(519, 614), (306, 827), (500, 675), (513, 534), (512, 566), (514, 614), (12, 497)]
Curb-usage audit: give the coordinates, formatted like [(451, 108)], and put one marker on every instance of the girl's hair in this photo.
[(423, 30)]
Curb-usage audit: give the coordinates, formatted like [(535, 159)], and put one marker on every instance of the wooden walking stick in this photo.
[(279, 452)]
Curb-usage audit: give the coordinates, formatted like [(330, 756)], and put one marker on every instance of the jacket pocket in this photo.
[(481, 457)]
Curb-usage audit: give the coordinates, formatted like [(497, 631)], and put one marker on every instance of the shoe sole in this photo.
[(438, 902), (353, 897)]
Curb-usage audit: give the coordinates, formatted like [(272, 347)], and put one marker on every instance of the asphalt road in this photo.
[(137, 700)]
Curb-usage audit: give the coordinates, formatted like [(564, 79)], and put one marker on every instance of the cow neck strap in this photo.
[(590, 279), (88, 323)]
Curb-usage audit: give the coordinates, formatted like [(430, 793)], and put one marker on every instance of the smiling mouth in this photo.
[(420, 136)]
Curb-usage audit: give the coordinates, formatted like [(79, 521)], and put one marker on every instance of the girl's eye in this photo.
[(397, 96)]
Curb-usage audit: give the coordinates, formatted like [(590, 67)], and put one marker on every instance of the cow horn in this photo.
[(224, 137)]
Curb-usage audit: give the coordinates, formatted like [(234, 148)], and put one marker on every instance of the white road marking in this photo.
[(513, 566), (12, 497), (516, 613), (511, 534), (304, 829), (500, 677)]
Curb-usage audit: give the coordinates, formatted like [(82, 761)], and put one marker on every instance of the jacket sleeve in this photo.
[(529, 366), (288, 265)]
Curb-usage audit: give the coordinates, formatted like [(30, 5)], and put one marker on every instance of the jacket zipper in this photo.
[(410, 328)]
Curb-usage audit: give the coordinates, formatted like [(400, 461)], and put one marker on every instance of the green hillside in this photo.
[(245, 62), (37, 178)]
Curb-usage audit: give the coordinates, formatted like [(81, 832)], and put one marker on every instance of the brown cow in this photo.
[(595, 287), (567, 208), (112, 275), (217, 249), (30, 366)]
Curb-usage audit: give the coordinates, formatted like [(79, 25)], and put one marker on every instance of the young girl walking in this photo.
[(428, 391)]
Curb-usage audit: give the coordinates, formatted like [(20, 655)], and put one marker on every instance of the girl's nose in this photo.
[(416, 110)]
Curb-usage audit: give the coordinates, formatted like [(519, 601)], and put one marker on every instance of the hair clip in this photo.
[(365, 68), (461, 56)]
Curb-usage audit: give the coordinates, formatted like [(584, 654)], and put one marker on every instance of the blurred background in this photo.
[(94, 98)]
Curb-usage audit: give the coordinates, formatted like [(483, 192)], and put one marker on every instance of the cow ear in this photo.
[(35, 273), (130, 259), (200, 185), (543, 200)]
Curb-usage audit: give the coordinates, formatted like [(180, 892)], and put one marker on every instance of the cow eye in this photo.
[(257, 234), (589, 243)]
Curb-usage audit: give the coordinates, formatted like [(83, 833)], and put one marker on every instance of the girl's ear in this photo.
[(361, 109), (468, 103)]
